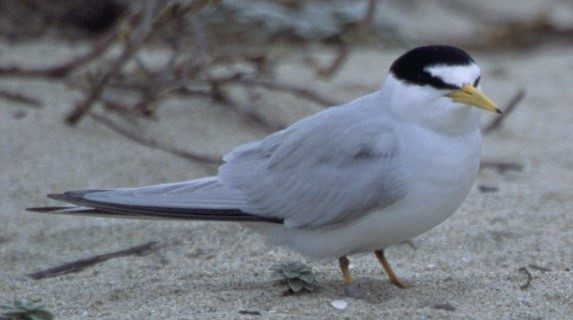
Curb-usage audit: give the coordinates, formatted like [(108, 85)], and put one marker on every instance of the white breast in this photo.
[(439, 170), (442, 170)]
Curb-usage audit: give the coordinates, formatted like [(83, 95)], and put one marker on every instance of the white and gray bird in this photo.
[(354, 178)]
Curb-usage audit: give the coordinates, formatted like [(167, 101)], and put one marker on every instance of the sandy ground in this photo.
[(214, 271)]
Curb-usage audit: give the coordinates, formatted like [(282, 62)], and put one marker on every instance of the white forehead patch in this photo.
[(455, 75)]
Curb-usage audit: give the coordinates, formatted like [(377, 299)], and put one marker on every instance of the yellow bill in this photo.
[(471, 96)]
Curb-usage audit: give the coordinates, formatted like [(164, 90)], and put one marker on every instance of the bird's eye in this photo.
[(476, 82)]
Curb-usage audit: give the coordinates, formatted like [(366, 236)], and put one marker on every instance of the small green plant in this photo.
[(294, 276), (25, 310)]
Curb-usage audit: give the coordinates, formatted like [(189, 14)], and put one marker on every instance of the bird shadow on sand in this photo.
[(372, 290), (429, 292)]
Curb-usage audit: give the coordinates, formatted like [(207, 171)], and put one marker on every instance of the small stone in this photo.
[(339, 304), (488, 189)]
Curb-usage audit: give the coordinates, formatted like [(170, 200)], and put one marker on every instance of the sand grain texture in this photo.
[(467, 267)]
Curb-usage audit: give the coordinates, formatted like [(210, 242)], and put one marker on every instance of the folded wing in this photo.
[(326, 169), (330, 168), (203, 199)]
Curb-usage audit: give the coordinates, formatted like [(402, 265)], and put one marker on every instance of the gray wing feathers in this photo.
[(205, 193), (325, 169), (203, 199)]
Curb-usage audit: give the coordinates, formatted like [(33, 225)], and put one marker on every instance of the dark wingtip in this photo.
[(70, 195), (55, 196), (498, 111), (46, 209)]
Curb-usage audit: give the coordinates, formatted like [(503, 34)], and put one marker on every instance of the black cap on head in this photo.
[(410, 66)]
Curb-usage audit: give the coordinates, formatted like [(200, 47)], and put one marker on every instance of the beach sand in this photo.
[(466, 268)]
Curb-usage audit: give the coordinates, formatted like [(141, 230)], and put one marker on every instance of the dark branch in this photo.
[(337, 63), (20, 98), (79, 265), (61, 70), (369, 15), (529, 278), (153, 143), (294, 90), (501, 166), (496, 123)]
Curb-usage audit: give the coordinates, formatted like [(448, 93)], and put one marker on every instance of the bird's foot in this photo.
[(389, 272), (400, 284)]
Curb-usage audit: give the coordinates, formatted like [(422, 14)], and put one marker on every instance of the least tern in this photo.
[(354, 178)]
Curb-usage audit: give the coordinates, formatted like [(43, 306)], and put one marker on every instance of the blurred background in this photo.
[(128, 59), (109, 93)]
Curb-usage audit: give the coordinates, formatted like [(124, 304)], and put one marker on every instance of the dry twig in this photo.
[(133, 88), (20, 98), (294, 90), (501, 166), (343, 50), (369, 15), (133, 40), (64, 69), (539, 268), (444, 306), (79, 265), (529, 278), (496, 123), (96, 90), (337, 63), (153, 143)]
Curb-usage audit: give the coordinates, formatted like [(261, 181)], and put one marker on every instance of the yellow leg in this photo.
[(391, 275), (344, 263)]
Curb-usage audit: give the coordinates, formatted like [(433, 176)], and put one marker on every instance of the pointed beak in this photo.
[(473, 97)]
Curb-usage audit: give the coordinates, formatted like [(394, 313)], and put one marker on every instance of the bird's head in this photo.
[(436, 83)]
